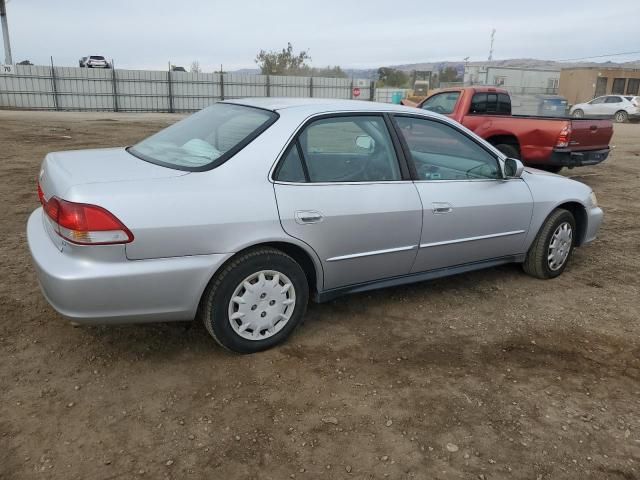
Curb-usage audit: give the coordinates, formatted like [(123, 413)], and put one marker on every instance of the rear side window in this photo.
[(291, 169), (341, 149), (206, 139), (349, 149), (491, 104)]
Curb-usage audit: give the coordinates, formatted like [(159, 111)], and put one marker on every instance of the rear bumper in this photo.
[(568, 158), (117, 290)]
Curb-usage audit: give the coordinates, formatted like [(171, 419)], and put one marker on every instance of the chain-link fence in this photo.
[(88, 89)]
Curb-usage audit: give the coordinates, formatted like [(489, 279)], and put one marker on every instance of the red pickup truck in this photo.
[(548, 143)]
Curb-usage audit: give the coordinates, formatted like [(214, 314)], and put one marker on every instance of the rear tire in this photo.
[(621, 117), (577, 113), (549, 168), (551, 250), (259, 287), (509, 150)]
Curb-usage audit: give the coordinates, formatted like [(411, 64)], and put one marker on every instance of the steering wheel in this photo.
[(438, 109)]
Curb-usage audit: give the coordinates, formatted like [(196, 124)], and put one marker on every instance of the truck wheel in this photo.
[(255, 301), (577, 113), (621, 116), (509, 150), (549, 254), (549, 168)]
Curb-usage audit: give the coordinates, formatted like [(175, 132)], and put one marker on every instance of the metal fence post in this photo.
[(113, 86), (372, 93), (311, 87), (170, 92), (55, 88), (221, 85), (351, 89), (268, 86)]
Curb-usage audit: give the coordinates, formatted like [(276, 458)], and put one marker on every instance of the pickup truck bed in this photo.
[(549, 143)]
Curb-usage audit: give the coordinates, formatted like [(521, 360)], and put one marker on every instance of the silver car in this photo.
[(240, 213), (621, 107)]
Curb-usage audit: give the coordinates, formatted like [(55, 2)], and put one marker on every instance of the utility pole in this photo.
[(493, 34), (5, 33)]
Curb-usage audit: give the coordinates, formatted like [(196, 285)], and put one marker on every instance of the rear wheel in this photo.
[(549, 254), (509, 150), (256, 301), (549, 168), (577, 113), (621, 117)]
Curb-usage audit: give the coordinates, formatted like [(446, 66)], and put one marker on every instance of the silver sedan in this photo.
[(240, 213)]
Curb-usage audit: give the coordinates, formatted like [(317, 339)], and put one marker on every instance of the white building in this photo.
[(532, 81)]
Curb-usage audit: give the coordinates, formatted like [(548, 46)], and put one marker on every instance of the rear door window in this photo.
[(349, 149), (613, 100)]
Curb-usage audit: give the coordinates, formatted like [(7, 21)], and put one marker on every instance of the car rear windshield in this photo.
[(205, 139), (95, 57)]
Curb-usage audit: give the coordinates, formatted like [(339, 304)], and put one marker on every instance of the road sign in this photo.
[(7, 69), (356, 92)]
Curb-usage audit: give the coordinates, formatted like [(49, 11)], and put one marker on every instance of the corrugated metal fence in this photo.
[(87, 89)]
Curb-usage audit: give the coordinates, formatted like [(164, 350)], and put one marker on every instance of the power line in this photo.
[(599, 56)]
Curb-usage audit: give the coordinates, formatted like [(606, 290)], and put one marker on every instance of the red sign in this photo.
[(356, 92)]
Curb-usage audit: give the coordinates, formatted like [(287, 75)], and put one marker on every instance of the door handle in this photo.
[(304, 217), (439, 208)]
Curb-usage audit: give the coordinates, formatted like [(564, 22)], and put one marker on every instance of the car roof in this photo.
[(319, 104)]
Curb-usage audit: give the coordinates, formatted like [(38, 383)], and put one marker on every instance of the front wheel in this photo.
[(621, 117), (578, 113), (256, 301), (549, 254)]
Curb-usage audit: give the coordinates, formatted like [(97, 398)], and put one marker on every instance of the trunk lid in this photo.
[(63, 170), (588, 134)]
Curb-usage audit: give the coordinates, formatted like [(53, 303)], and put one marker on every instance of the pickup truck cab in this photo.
[(548, 143)]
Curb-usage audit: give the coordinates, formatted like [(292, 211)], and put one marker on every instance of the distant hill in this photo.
[(372, 73)]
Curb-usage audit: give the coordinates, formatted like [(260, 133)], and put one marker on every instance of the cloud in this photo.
[(149, 34)]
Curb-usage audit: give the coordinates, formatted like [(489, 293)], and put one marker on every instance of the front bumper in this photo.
[(594, 220), (107, 288), (568, 158)]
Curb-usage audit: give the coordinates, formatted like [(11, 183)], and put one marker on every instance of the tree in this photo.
[(25, 62), (390, 77), (328, 71), (284, 62), (195, 67), (449, 74)]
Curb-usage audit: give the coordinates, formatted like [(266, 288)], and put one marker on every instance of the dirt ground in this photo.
[(487, 375)]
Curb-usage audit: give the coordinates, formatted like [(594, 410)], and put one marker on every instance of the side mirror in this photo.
[(365, 142), (513, 168)]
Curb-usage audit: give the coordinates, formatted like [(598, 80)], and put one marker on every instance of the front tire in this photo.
[(256, 301), (577, 113), (621, 117), (550, 252)]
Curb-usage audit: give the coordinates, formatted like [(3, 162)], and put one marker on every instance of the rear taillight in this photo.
[(41, 195), (565, 137), (85, 224)]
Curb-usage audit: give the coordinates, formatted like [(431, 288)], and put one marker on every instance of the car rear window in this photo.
[(206, 139), (95, 57)]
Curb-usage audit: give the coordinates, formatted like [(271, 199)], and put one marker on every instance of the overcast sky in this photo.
[(373, 33)]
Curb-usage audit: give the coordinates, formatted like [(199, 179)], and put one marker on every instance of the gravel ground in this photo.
[(486, 375)]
